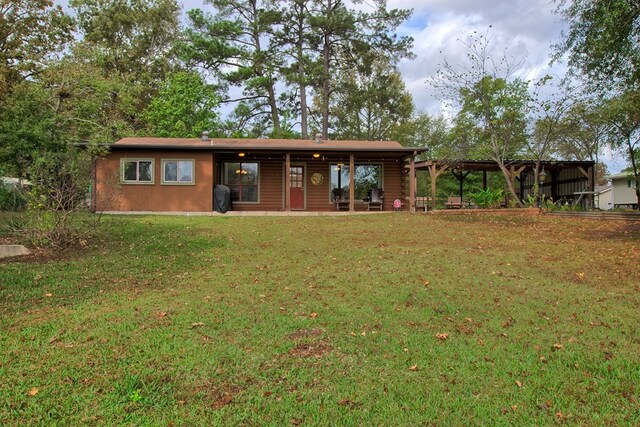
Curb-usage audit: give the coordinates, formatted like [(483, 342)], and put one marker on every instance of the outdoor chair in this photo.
[(340, 203), (376, 199), (454, 202)]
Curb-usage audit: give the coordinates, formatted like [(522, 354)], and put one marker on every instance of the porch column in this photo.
[(484, 180), (352, 180), (412, 183), (435, 173), (287, 182)]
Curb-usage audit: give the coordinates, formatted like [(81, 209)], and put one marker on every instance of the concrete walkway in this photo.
[(248, 213), (7, 251)]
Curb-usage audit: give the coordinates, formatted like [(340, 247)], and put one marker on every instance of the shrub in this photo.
[(487, 198)]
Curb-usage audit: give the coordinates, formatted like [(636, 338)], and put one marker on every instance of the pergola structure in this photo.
[(566, 179)]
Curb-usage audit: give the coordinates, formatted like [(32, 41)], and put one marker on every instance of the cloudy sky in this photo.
[(526, 29)]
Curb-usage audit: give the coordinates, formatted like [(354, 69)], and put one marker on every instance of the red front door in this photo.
[(296, 176)]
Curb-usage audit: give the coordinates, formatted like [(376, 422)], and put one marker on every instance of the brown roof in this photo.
[(225, 144)]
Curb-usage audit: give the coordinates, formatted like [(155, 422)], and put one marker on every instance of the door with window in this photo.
[(296, 178)]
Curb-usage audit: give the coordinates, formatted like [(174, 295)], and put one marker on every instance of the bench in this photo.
[(454, 202)]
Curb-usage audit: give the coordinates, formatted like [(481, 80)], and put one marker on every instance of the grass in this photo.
[(392, 319)]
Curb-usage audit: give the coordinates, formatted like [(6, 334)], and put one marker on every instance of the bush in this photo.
[(56, 211), (11, 198), (487, 198)]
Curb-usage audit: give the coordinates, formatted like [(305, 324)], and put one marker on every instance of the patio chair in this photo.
[(340, 203), (376, 199)]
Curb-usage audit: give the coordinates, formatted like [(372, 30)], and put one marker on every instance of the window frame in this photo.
[(137, 160), (163, 162), (257, 185), (355, 165)]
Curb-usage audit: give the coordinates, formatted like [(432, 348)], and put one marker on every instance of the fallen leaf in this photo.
[(162, 314), (514, 408), (313, 315), (196, 324), (405, 349), (226, 399), (545, 406), (559, 414), (295, 422), (413, 368), (33, 391), (557, 346), (480, 342), (443, 336), (519, 384), (48, 294)]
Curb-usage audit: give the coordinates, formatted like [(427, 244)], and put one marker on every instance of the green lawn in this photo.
[(391, 319)]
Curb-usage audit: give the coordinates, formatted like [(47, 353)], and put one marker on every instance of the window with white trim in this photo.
[(178, 171), (137, 171)]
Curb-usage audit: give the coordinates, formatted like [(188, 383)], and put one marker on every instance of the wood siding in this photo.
[(317, 197), (112, 195)]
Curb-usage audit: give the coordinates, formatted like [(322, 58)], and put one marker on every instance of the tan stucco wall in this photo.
[(113, 195)]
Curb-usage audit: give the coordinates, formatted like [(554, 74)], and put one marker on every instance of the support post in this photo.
[(484, 180), (352, 190), (435, 173), (412, 183), (287, 182)]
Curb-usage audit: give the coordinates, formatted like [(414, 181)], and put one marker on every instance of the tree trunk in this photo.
[(326, 62), (507, 176), (634, 168), (303, 84)]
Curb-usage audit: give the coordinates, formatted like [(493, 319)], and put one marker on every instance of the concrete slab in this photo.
[(248, 213), (12, 250)]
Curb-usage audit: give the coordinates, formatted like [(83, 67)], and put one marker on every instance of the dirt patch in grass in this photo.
[(305, 333), (312, 349)]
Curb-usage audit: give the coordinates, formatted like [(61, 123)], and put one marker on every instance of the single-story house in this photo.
[(180, 174), (622, 192)]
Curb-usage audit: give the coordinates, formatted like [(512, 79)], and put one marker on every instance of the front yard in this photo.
[(391, 319)]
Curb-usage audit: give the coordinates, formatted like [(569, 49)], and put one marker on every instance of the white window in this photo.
[(137, 171), (178, 172)]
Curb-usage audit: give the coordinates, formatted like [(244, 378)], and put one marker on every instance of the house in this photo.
[(622, 192), (604, 196), (179, 174)]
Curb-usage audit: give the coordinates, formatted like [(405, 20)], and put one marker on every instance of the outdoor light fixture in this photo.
[(316, 155), (240, 154), (542, 175), (241, 172)]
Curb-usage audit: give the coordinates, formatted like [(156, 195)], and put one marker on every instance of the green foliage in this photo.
[(27, 125), (11, 199), (602, 41), (31, 32), (371, 103), (184, 107), (487, 198)]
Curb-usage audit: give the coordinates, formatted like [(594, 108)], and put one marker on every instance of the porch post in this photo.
[(352, 180), (287, 182), (412, 183), (484, 180)]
